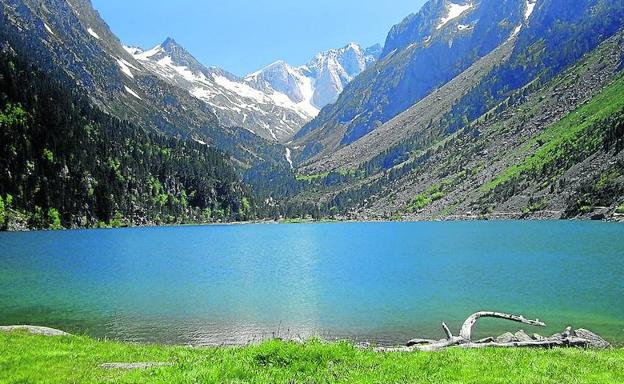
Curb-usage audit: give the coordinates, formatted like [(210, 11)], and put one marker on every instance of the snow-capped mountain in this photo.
[(274, 102), (422, 53), (269, 114), (318, 83)]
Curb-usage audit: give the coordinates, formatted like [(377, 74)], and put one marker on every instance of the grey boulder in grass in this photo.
[(35, 330)]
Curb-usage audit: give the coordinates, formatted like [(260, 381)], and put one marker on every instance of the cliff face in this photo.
[(422, 53)]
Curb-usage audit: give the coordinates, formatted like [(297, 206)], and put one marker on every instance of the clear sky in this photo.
[(242, 36)]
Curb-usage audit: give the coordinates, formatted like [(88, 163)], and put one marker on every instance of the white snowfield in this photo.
[(125, 67), (274, 97), (454, 11), (276, 100), (530, 7)]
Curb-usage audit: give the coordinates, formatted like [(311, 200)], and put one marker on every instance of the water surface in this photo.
[(380, 282)]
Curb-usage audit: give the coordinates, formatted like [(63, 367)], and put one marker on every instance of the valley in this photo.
[(470, 110), (470, 166)]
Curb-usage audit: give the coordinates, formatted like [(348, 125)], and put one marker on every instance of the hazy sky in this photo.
[(244, 35)]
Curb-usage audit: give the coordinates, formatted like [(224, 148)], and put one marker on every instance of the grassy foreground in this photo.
[(37, 359)]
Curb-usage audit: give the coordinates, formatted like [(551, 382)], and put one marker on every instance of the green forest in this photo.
[(64, 164)]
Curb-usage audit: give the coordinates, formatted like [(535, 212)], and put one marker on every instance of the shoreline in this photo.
[(457, 219), (45, 331), (94, 361)]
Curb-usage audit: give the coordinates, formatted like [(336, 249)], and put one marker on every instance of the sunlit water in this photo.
[(383, 283)]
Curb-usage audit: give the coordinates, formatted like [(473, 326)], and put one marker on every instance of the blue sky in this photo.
[(244, 35)]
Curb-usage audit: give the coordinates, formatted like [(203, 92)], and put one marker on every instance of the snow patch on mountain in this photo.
[(72, 8), (287, 86), (167, 63), (125, 67), (530, 7), (288, 157), (133, 51), (133, 93), (245, 90), (47, 27), (144, 56), (453, 12), (92, 33)]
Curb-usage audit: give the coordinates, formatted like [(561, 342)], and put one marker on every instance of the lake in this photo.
[(378, 282)]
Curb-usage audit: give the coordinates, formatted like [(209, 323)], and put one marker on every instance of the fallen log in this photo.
[(466, 329), (580, 338), (548, 343)]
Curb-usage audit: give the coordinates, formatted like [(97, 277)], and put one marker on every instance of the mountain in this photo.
[(422, 53), (531, 128), (268, 113), (64, 163), (318, 83), (274, 102), (69, 41)]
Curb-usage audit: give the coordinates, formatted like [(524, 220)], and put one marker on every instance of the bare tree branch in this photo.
[(466, 330)]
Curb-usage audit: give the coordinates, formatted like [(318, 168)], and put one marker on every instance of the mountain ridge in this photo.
[(273, 102), (421, 54)]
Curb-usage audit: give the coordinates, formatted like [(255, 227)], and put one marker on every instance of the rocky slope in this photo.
[(553, 153), (422, 53), (416, 119), (503, 138)]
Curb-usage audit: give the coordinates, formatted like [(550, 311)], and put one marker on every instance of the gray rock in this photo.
[(595, 341), (568, 332), (506, 337), (522, 336), (538, 337), (45, 331)]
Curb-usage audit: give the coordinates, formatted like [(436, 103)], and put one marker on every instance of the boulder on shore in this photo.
[(35, 330)]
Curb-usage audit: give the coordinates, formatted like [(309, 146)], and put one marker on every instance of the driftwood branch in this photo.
[(466, 329), (447, 331), (580, 338)]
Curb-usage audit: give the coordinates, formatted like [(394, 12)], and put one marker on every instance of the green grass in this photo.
[(433, 193), (620, 209), (324, 175), (535, 206), (570, 135), (311, 177), (36, 359)]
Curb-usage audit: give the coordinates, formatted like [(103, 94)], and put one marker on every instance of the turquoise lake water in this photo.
[(379, 282)]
